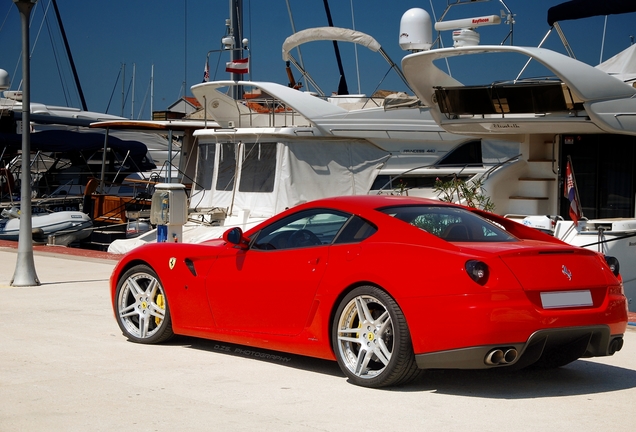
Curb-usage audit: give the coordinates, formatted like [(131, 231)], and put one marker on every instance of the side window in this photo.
[(205, 166), (307, 228), (227, 167), (449, 223), (259, 168), (356, 230)]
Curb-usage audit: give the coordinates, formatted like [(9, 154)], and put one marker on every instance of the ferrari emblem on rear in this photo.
[(566, 272), (172, 262)]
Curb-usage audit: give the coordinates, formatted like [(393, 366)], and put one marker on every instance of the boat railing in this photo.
[(122, 164), (265, 112), (458, 172), (271, 112), (484, 176)]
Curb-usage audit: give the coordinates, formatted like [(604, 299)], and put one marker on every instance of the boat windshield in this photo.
[(452, 224)]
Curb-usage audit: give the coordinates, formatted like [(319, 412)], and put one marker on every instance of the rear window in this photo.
[(450, 223)]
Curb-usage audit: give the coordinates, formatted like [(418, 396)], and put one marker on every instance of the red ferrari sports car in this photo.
[(385, 285)]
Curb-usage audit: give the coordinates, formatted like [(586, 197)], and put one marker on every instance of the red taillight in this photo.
[(616, 290), (478, 271), (613, 264)]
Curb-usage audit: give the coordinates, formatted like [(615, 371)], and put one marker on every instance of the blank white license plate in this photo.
[(562, 299)]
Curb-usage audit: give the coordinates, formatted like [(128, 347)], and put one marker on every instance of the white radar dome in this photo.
[(4, 80), (416, 30)]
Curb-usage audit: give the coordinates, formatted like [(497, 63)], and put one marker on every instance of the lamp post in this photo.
[(25, 266)]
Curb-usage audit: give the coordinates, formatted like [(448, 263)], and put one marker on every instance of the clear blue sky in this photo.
[(175, 36)]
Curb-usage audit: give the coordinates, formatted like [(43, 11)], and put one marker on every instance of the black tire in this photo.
[(371, 340), (141, 306)]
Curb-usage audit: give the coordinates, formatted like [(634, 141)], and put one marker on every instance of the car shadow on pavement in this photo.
[(578, 378), (295, 361), (90, 281)]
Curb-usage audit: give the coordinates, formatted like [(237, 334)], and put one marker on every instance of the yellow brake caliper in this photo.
[(161, 303)]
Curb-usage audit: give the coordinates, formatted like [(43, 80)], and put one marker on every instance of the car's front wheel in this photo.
[(371, 339), (141, 306)]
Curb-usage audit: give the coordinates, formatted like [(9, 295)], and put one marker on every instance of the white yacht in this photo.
[(276, 146), (582, 113)]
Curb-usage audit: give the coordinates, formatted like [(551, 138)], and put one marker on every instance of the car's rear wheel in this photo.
[(371, 340), (141, 306)]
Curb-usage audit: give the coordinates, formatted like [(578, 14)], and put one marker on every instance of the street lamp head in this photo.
[(25, 6)]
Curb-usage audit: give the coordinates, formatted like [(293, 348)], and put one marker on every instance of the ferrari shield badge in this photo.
[(172, 262)]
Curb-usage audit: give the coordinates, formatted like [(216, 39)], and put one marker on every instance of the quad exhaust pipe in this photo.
[(504, 356), (501, 356)]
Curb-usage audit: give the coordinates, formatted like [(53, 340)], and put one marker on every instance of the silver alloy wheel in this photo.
[(141, 305), (365, 336)]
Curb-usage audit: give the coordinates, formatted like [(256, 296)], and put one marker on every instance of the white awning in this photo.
[(329, 34)]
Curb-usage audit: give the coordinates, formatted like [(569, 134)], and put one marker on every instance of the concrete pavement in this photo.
[(64, 366)]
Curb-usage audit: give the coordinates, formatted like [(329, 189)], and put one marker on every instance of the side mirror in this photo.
[(235, 236)]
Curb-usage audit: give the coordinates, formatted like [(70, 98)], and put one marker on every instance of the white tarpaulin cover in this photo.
[(304, 171), (622, 65), (329, 34)]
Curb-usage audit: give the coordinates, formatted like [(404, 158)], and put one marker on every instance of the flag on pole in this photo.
[(571, 193), (206, 72), (240, 66)]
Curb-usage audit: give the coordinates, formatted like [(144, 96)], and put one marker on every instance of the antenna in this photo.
[(463, 29), (4, 80), (468, 23)]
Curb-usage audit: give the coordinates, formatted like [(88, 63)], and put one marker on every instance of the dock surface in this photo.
[(64, 365)]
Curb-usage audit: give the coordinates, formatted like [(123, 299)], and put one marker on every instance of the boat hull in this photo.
[(614, 237), (74, 225)]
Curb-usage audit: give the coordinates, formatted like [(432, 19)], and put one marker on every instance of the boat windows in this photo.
[(258, 168), (227, 167), (450, 223), (532, 97), (467, 154), (389, 183), (605, 172), (205, 165)]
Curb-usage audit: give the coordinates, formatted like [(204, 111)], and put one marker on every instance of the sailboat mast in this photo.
[(123, 88), (236, 29), (152, 90), (132, 100), (342, 85), (70, 56)]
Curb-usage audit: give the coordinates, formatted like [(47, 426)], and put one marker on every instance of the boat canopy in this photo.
[(268, 176), (63, 141), (577, 9), (328, 34)]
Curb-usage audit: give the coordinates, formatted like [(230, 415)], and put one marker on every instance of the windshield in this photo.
[(450, 223)]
